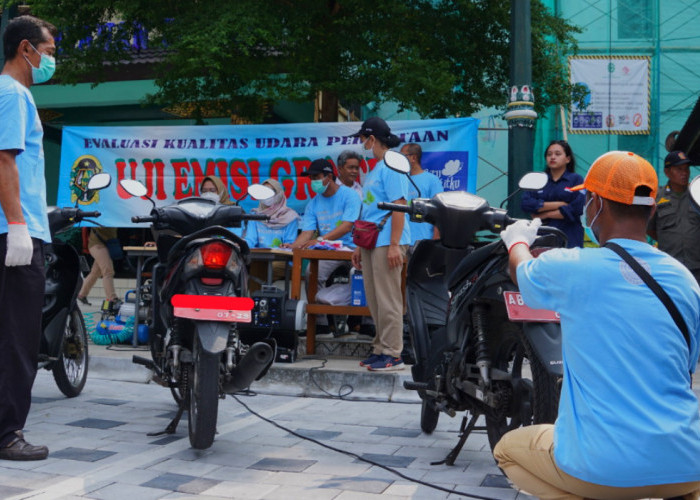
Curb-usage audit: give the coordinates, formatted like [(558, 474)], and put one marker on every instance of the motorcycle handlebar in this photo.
[(94, 213), (394, 207), (256, 217), (145, 218), (544, 230)]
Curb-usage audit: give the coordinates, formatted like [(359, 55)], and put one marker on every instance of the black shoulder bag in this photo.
[(656, 288)]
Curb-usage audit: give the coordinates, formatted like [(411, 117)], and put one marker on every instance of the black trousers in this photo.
[(21, 301)]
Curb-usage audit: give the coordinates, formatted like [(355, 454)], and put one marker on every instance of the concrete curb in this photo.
[(308, 377)]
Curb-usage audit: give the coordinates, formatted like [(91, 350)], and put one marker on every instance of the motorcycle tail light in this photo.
[(212, 281), (215, 255)]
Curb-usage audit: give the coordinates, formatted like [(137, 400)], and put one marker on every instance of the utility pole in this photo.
[(521, 115)]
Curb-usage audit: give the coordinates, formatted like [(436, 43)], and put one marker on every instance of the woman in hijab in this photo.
[(280, 229), (211, 186), (283, 225)]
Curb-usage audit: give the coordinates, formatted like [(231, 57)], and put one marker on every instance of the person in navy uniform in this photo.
[(555, 204)]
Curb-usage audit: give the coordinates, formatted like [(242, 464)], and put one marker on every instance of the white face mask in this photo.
[(367, 153), (210, 196), (270, 201)]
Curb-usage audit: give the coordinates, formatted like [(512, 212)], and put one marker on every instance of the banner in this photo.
[(619, 94), (172, 161)]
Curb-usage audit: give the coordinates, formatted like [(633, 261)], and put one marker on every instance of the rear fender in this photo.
[(545, 339), (213, 335)]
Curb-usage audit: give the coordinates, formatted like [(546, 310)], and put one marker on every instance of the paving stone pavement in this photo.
[(100, 450)]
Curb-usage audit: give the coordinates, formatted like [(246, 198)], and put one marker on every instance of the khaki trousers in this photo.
[(101, 267), (384, 299), (526, 455)]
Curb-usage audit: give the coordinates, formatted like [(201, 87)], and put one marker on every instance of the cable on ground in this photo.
[(358, 457)]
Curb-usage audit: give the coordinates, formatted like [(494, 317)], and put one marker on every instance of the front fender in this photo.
[(545, 339), (213, 335)]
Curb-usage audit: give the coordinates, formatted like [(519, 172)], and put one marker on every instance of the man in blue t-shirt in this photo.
[(331, 213), (24, 227), (428, 184), (330, 216), (628, 423)]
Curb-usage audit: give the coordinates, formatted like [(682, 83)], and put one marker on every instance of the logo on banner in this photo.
[(82, 170), (449, 166)]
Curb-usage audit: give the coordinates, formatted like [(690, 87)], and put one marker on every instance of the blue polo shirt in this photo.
[(384, 184), (556, 191), (627, 414), (21, 130), (429, 185), (325, 213), (260, 235)]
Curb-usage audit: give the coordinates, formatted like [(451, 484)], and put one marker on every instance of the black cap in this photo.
[(675, 158), (373, 126), (318, 167)]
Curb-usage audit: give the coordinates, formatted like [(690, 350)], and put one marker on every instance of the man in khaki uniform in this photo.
[(676, 223)]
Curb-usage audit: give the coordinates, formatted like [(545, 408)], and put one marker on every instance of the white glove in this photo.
[(522, 231), (19, 246)]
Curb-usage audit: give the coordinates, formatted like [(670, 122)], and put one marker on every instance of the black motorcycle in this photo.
[(199, 293), (477, 347), (64, 340)]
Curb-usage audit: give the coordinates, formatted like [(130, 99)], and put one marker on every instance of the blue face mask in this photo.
[(46, 69), (318, 186), (588, 228)]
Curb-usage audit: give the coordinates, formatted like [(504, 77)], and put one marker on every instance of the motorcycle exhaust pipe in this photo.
[(258, 357)]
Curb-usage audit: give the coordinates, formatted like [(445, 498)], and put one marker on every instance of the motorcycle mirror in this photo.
[(694, 190), (134, 188), (397, 161), (99, 181), (260, 192), (533, 181)]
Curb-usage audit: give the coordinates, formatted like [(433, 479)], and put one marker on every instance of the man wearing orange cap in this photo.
[(628, 424)]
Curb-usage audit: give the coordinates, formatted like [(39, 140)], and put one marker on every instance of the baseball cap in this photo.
[(675, 158), (617, 174), (373, 126), (319, 166)]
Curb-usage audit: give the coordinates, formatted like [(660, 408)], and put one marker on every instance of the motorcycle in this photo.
[(64, 341), (477, 347), (199, 296)]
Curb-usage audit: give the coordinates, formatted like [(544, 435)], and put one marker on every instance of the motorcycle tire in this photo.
[(203, 388), (534, 400), (429, 417), (70, 370)]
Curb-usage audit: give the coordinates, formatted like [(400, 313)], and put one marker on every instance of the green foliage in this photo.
[(437, 57)]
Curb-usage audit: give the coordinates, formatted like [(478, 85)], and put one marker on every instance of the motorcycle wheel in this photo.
[(203, 397), (71, 368), (429, 417), (534, 397)]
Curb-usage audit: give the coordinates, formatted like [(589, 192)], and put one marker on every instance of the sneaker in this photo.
[(84, 300), (386, 363), (372, 358)]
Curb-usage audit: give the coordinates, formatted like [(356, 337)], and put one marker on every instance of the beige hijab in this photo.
[(220, 188), (280, 214)]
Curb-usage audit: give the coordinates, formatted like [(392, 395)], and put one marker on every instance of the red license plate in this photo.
[(213, 308), (518, 311)]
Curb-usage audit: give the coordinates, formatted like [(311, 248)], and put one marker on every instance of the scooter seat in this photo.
[(471, 262)]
